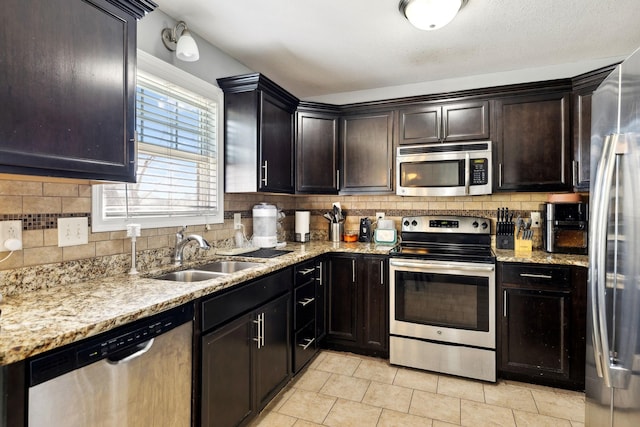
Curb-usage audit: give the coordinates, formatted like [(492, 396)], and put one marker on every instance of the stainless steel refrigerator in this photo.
[(613, 324)]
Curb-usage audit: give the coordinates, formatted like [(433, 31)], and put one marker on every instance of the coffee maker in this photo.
[(365, 230)]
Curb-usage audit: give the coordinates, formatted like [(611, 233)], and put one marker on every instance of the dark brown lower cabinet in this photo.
[(358, 312), (542, 322), (245, 360)]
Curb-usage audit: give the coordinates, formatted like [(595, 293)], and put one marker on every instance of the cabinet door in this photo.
[(581, 165), (342, 299), (317, 153), (367, 153), (68, 90), (226, 374), (276, 146), (272, 356), (375, 304), (533, 143), (462, 121), (420, 125), (536, 332), (465, 121)]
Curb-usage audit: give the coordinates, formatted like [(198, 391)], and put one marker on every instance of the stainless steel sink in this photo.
[(228, 267), (190, 276)]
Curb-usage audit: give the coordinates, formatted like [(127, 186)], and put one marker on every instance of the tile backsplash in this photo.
[(40, 203)]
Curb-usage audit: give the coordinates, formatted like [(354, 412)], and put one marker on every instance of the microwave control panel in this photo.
[(479, 171)]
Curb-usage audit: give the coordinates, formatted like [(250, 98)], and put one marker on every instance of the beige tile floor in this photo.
[(343, 389)]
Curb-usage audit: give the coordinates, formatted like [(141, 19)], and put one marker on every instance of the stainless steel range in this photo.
[(442, 297)]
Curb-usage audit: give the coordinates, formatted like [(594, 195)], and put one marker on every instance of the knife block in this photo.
[(504, 241)]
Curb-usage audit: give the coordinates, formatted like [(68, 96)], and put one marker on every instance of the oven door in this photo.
[(451, 302)]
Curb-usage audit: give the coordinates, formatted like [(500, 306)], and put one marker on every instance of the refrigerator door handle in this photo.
[(597, 273)]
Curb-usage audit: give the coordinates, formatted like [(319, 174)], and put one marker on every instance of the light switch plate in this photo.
[(73, 231)]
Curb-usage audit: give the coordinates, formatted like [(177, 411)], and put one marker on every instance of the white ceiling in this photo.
[(319, 48)]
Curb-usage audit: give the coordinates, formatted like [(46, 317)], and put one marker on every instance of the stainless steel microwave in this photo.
[(447, 169)]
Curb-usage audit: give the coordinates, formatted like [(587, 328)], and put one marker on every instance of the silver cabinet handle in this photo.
[(143, 350), (504, 303), (382, 272), (260, 330), (306, 301), (338, 179), (536, 276), (499, 174), (309, 342), (307, 271), (319, 278), (266, 170), (353, 270), (574, 172)]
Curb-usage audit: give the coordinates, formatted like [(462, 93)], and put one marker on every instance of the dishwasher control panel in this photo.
[(115, 344)]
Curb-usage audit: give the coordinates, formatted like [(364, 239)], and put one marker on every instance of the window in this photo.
[(179, 170)]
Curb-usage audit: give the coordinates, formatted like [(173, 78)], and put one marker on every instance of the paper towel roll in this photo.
[(302, 226)]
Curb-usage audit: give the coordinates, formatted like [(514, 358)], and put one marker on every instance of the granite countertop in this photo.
[(41, 320), (37, 321), (542, 257)]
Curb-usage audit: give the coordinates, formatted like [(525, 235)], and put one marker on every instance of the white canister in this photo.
[(265, 218), (302, 226)]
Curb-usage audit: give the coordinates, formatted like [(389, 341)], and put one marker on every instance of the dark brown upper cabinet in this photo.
[(317, 152), (68, 88), (460, 121), (583, 87), (532, 142), (367, 153), (258, 129)]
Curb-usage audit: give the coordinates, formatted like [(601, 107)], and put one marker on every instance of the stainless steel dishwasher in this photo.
[(136, 375)]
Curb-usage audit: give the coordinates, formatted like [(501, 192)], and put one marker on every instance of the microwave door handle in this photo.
[(467, 172)]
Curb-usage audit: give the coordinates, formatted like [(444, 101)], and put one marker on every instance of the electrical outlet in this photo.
[(10, 231), (535, 220), (73, 231), (379, 215), (237, 221)]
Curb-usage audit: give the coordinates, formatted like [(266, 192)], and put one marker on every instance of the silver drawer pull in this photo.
[(307, 271), (536, 276), (309, 342), (306, 301)]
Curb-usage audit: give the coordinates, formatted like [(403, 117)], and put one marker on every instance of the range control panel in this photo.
[(449, 224)]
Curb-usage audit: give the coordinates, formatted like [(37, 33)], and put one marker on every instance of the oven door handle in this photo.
[(432, 266)]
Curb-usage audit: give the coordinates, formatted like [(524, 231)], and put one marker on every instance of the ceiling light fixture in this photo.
[(179, 39), (430, 14)]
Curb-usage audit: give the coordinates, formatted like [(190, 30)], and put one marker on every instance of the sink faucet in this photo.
[(182, 241)]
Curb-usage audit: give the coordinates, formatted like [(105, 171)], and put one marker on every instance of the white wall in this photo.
[(213, 62)]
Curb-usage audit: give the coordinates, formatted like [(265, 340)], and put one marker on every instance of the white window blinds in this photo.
[(177, 171)]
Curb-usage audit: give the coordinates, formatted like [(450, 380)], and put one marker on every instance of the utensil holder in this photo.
[(336, 231)]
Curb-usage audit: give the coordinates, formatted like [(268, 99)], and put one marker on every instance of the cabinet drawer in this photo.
[(305, 273), (304, 298), (540, 275), (304, 346), (220, 309)]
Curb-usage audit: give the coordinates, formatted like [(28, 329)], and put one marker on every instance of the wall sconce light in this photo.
[(179, 39), (430, 14)]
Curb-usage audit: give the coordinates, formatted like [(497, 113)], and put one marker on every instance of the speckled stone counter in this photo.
[(542, 257), (40, 320)]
